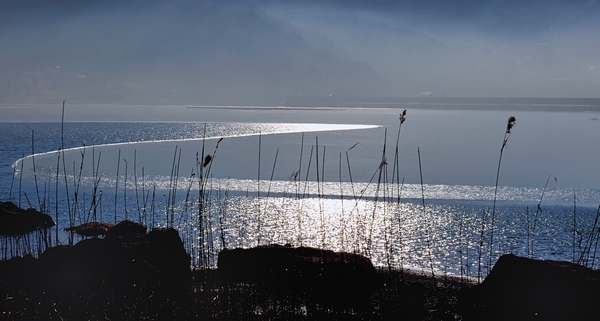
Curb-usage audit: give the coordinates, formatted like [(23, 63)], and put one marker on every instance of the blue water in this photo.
[(348, 205)]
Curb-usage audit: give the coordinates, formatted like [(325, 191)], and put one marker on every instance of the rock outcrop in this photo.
[(519, 288), (17, 221), (150, 263), (335, 277)]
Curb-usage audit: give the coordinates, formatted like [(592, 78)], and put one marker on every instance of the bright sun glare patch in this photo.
[(199, 131)]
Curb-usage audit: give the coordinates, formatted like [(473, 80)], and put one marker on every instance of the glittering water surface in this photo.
[(324, 185)]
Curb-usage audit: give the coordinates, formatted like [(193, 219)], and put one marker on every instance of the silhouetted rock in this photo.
[(125, 231), (89, 266), (163, 250), (336, 277), (17, 272), (17, 221), (152, 264), (518, 288), (91, 229)]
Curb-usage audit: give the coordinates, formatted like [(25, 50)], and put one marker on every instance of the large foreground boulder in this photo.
[(90, 266), (518, 288), (337, 277), (18, 221), (149, 264)]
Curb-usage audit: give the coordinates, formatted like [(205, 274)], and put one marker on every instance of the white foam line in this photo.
[(342, 127)]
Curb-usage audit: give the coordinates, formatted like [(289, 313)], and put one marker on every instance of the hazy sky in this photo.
[(466, 48), (271, 52)]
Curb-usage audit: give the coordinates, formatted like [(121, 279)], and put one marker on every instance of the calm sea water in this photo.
[(318, 177)]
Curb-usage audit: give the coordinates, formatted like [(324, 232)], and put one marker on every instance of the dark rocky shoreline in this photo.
[(133, 275), (148, 277)]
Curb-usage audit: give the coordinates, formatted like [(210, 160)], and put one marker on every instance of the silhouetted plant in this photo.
[(509, 125), (537, 212)]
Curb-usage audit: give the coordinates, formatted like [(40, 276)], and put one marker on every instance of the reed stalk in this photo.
[(76, 185), (382, 165), (272, 173), (509, 126), (400, 235), (152, 205), (27, 199), (353, 195), (361, 228), (203, 167), (585, 253), (223, 218), (56, 198), (187, 195), (145, 196), (301, 236), (317, 164), (12, 183), (271, 180), (67, 194), (480, 248), (76, 192), (125, 210), (62, 127), (135, 184), (574, 224), (460, 246), (321, 214), (62, 150), (209, 230), (321, 199), (259, 218), (350, 170), (199, 166), (169, 205), (597, 233), (37, 191), (529, 240), (174, 194), (396, 165), (343, 214), (425, 216), (117, 184), (208, 168), (298, 178), (45, 200), (298, 174), (96, 183), (538, 210), (396, 182)]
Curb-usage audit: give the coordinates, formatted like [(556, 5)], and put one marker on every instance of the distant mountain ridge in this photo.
[(460, 48), (168, 53), (267, 52)]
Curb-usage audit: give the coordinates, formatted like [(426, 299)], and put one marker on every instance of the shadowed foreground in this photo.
[(147, 277), (132, 275)]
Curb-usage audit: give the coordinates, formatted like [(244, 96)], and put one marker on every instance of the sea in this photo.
[(447, 189)]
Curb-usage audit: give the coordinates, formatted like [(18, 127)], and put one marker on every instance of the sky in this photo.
[(273, 52), (468, 48)]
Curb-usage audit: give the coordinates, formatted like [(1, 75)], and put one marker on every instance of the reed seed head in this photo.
[(402, 118), (207, 160), (510, 124), (294, 176), (383, 162)]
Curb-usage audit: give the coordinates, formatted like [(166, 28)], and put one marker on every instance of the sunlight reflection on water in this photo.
[(111, 134), (391, 231), (389, 223)]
